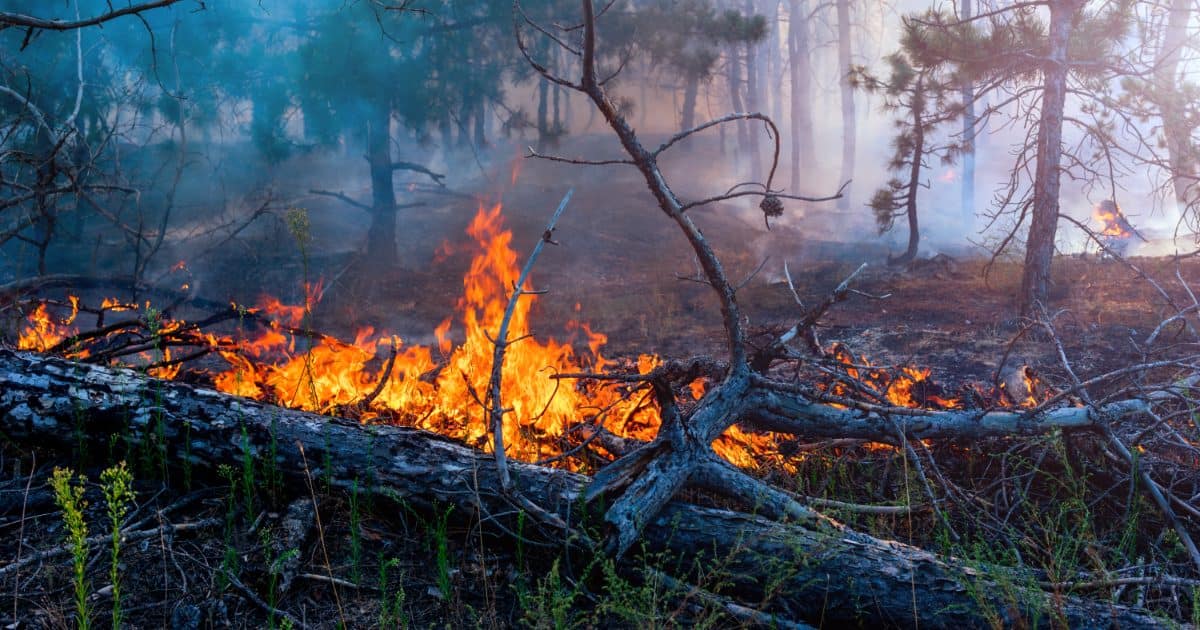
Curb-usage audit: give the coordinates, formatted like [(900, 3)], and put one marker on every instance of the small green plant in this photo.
[(301, 228), (81, 441), (629, 604), (550, 603), (69, 497), (187, 454), (441, 551), (272, 473), (153, 319), (275, 569), (117, 485), (391, 604), (229, 562), (1196, 606), (247, 472), (355, 534)]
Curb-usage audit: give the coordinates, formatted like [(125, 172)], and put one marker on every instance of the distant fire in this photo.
[(377, 377), (1114, 223), (1116, 233)]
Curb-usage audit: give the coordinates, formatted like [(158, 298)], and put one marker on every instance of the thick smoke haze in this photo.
[(192, 119)]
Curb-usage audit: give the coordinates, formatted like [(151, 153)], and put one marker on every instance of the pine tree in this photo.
[(922, 98), (1019, 48)]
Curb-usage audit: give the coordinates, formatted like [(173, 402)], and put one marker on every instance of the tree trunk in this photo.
[(1039, 246), (558, 107), (381, 236), (1176, 129), (835, 578), (773, 86), (691, 87), (849, 123), (968, 135), (753, 101), (464, 125), (446, 130), (733, 74), (914, 176), (543, 122), (481, 124), (803, 146), (566, 111)]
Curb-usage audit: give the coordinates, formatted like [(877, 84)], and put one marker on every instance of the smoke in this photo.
[(222, 120)]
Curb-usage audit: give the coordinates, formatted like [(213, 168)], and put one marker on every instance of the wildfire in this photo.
[(377, 377), (43, 333), (912, 387), (1109, 215)]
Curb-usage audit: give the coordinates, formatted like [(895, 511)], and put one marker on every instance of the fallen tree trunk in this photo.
[(832, 576), (785, 412)]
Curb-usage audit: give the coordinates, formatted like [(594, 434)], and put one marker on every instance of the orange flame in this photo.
[(1109, 215), (449, 397), (380, 378), (42, 332)]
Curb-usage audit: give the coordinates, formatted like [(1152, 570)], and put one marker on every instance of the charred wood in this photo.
[(828, 574)]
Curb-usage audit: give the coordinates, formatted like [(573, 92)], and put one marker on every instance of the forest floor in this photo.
[(617, 268), (943, 316)]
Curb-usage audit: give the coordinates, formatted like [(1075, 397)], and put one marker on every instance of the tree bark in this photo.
[(849, 122), (833, 575), (803, 146), (381, 236), (733, 74), (1039, 246), (691, 88), (753, 100), (966, 8), (1177, 131), (480, 119), (773, 86), (543, 114), (914, 176)]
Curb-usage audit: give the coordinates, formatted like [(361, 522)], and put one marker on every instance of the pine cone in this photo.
[(771, 206)]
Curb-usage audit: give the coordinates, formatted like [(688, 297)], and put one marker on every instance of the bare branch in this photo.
[(9, 19), (340, 197), (411, 166), (495, 405), (566, 160)]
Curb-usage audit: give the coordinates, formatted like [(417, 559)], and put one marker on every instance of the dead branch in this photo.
[(495, 403), (127, 536), (340, 196), (417, 168), (19, 20), (1103, 424), (762, 359)]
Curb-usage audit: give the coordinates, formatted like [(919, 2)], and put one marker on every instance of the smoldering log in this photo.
[(835, 576)]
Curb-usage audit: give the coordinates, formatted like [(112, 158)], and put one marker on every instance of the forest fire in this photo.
[(377, 377), (42, 332), (444, 393), (1113, 221), (913, 387), (1117, 233)]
